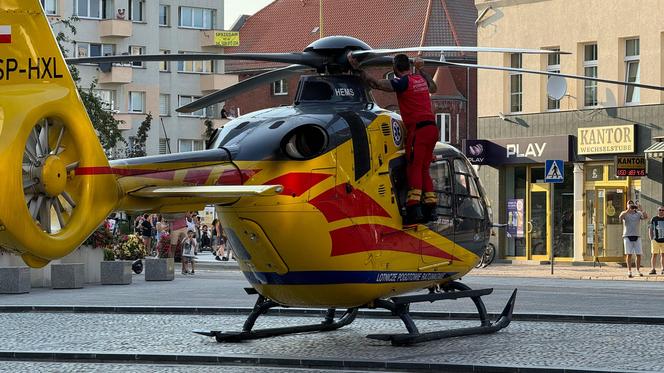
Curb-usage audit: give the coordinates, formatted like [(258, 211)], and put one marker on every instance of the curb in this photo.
[(275, 361), (300, 312)]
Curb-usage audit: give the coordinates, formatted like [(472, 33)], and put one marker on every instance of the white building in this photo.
[(133, 90)]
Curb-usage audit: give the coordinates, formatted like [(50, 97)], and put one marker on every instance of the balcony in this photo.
[(117, 75), (219, 38), (215, 82), (115, 28)]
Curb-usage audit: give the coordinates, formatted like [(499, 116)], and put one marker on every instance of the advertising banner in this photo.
[(227, 38), (515, 218)]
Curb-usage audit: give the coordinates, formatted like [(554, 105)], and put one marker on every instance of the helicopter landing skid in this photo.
[(261, 307), (399, 306)]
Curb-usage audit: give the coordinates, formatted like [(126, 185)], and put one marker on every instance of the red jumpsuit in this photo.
[(421, 135)]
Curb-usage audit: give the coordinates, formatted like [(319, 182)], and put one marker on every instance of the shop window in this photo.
[(611, 173), (537, 175), (442, 185), (595, 173)]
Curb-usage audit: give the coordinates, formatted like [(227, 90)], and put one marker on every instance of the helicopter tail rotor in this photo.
[(47, 210)]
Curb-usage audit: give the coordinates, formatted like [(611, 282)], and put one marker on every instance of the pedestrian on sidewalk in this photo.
[(188, 253), (656, 233), (631, 219)]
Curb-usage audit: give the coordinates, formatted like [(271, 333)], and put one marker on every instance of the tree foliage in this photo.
[(137, 146)]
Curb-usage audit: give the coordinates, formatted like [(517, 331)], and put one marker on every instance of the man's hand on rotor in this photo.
[(418, 62), (352, 61)]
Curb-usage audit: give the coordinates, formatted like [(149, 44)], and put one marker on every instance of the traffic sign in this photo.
[(554, 172)]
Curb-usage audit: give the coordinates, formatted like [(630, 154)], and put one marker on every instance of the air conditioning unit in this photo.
[(121, 13)]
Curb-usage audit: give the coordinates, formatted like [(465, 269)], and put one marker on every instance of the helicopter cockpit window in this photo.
[(442, 185), (316, 91), (467, 194), (336, 89)]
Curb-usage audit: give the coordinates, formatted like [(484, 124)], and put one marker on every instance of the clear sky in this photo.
[(235, 8)]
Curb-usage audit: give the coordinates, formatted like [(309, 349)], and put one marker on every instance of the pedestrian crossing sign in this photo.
[(554, 171)]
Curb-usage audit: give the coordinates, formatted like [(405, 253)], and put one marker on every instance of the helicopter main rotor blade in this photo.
[(538, 72), (443, 49), (240, 87), (301, 58)]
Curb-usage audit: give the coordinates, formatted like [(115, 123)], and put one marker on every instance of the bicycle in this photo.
[(487, 257)]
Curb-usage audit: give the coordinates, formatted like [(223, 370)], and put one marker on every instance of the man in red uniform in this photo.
[(412, 91)]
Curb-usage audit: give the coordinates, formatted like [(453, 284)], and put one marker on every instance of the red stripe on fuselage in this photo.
[(197, 177), (153, 174), (6, 38), (235, 177), (367, 237), (296, 183), (337, 204)]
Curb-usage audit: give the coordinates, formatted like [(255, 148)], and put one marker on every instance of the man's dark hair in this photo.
[(401, 62)]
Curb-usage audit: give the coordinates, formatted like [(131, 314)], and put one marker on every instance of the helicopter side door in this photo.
[(441, 235), (471, 219)]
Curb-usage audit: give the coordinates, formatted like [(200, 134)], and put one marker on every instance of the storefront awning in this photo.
[(655, 150)]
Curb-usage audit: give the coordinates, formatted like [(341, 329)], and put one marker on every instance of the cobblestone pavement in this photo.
[(38, 367), (225, 289), (555, 345)]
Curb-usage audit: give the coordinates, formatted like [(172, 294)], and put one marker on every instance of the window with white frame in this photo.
[(632, 70), (553, 66), (186, 145), (164, 146), (94, 49), (280, 87), (200, 67), (200, 18), (164, 66), (50, 6), (107, 98), (136, 102), (516, 84), (90, 8), (590, 70), (444, 124), (184, 100), (164, 104), (137, 10), (136, 50), (164, 15)]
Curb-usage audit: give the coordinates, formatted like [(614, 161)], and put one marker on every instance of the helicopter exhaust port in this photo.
[(305, 142)]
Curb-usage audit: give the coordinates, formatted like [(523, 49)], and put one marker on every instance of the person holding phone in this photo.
[(631, 219)]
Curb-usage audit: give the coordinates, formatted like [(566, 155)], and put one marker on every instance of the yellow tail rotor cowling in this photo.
[(45, 135)]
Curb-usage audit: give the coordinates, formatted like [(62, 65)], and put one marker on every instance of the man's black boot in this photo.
[(413, 215), (429, 212)]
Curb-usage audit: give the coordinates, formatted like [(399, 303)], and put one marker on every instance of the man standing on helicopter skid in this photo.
[(413, 91)]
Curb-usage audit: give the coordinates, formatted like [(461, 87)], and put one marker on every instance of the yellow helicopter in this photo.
[(311, 195)]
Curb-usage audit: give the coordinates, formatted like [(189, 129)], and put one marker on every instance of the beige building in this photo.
[(591, 128)]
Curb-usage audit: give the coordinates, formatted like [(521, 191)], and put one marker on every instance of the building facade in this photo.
[(132, 90), (428, 23), (592, 128)]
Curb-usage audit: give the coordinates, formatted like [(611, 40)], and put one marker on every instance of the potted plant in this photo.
[(161, 268), (118, 271)]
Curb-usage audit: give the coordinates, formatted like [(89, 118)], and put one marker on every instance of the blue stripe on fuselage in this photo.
[(342, 277)]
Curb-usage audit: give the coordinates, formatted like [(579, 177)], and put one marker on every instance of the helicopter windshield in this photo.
[(332, 89)]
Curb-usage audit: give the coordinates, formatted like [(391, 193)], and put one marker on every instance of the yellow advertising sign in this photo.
[(227, 38), (606, 140)]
